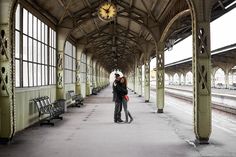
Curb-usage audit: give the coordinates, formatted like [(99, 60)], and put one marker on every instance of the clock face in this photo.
[(107, 11)]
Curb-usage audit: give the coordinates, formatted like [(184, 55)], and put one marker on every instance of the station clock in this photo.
[(107, 11)]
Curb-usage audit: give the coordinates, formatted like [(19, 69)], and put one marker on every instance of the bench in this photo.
[(95, 91), (48, 110), (74, 99)]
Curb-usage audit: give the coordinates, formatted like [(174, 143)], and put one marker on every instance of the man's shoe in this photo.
[(120, 121)]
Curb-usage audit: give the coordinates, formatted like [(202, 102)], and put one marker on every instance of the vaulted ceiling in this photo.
[(116, 44)]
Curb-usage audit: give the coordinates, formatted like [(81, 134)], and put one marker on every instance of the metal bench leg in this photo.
[(58, 117), (46, 123)]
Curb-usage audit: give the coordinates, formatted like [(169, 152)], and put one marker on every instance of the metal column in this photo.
[(160, 76), (147, 80), (139, 91), (201, 69)]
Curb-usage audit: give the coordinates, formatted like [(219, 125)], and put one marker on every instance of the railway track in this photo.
[(221, 102)]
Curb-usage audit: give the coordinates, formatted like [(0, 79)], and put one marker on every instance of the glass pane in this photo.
[(35, 75), (54, 39), (46, 54), (50, 56), (70, 77), (39, 30), (25, 74), (42, 32), (43, 57), (46, 75), (66, 62), (39, 75), (39, 52), (35, 49), (17, 73), (30, 49), (17, 44), (35, 27), (30, 24), (50, 75), (81, 67), (52, 42), (50, 37), (74, 52), (74, 77), (17, 17), (74, 64), (30, 74), (43, 79), (54, 56), (71, 63), (46, 34), (69, 49), (67, 77), (25, 21), (25, 47)]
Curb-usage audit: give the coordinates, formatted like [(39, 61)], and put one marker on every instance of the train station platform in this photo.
[(89, 131), (222, 99), (214, 90)]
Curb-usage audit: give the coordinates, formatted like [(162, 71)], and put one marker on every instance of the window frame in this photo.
[(71, 56), (41, 78)]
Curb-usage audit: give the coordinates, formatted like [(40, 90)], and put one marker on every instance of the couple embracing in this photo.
[(120, 97)]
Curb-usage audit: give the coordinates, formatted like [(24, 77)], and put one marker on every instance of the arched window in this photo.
[(189, 78), (182, 79), (70, 63), (83, 66), (176, 78), (167, 79), (220, 78), (35, 50)]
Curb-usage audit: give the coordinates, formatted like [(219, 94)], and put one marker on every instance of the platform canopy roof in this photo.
[(116, 44)]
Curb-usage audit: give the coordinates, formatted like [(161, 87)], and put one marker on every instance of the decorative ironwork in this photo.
[(60, 61), (160, 67), (3, 46), (4, 78), (202, 72), (147, 73), (59, 80)]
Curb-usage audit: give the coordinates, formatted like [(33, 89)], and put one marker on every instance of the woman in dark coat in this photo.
[(121, 93)]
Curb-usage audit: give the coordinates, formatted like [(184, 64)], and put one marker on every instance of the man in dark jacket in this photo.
[(118, 103)]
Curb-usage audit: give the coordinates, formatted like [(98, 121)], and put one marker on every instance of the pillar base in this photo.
[(202, 141), (160, 111), (146, 100), (140, 96), (4, 141)]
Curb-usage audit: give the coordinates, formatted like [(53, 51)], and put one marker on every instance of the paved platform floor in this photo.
[(90, 132)]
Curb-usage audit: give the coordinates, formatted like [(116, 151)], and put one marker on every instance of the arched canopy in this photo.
[(115, 44)]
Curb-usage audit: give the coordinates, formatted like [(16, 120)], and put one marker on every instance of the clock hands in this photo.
[(109, 7), (107, 11)]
